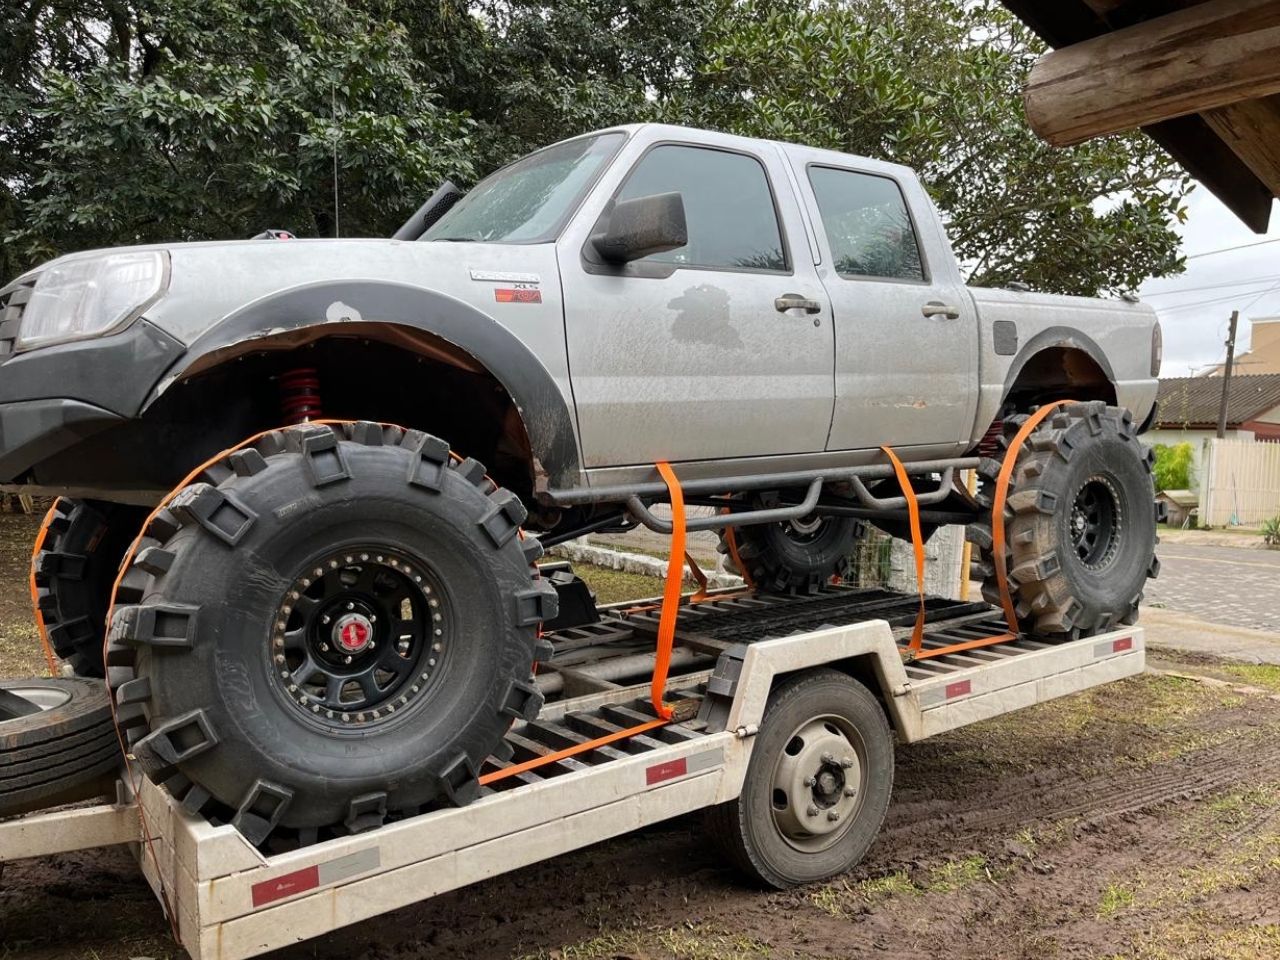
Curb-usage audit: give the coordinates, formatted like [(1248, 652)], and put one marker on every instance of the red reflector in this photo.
[(666, 771), (509, 295), (961, 688), (269, 891), (1124, 643)]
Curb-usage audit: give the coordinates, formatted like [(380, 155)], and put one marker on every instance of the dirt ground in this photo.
[(1140, 820)]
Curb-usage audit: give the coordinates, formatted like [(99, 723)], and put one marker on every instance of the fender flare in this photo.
[(539, 402), (1050, 338)]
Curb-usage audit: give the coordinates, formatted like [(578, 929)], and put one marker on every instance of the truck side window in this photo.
[(728, 206), (867, 224)]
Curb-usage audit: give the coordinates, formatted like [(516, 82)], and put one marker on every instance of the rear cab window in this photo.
[(868, 225), (729, 207)]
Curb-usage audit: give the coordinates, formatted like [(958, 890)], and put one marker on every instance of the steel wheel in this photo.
[(1096, 522), (817, 783)]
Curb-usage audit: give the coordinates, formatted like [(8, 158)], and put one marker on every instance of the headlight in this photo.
[(90, 296)]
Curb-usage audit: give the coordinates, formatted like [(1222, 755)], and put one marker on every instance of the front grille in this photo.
[(13, 300)]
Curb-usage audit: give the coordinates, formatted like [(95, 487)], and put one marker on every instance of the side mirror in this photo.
[(641, 227)]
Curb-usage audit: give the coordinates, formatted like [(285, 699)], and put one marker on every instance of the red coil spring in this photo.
[(989, 445), (300, 396)]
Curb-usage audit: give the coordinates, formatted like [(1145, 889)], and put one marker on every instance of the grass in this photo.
[(1264, 675), (1115, 898), (612, 586), (838, 897), (957, 874)]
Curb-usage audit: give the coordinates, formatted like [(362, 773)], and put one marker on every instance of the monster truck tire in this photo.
[(57, 743), (795, 557), (74, 572), (780, 830), (1080, 523), (337, 624)]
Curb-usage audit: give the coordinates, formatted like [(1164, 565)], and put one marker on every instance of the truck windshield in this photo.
[(528, 201)]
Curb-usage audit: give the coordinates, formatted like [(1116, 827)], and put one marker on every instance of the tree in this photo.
[(1172, 469), (937, 86), (134, 120)]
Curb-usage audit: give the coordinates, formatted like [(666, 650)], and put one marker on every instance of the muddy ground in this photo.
[(1139, 820)]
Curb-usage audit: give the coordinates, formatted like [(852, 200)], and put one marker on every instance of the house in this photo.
[(1179, 506), (1188, 412), (1263, 355)]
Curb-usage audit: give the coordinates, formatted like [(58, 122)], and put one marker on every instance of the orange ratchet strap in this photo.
[(49, 656), (915, 649)]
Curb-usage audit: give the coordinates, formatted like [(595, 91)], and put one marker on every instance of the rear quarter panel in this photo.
[(1116, 332)]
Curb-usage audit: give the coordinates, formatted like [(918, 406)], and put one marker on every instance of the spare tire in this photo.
[(337, 624), (74, 571), (1080, 522), (57, 743), (793, 557)]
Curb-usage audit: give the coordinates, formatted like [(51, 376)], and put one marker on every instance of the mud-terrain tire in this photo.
[(74, 572), (57, 743), (336, 624), (1080, 522), (790, 786), (795, 557)]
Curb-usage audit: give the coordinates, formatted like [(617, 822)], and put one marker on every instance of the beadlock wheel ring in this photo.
[(1095, 523), (359, 637)]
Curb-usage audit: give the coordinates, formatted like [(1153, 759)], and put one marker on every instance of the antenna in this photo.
[(333, 111)]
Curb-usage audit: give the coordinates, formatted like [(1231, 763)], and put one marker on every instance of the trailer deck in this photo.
[(229, 899)]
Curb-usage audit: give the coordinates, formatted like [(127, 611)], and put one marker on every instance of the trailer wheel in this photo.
[(74, 571), (798, 556), (57, 743), (817, 786), (1080, 523), (341, 625)]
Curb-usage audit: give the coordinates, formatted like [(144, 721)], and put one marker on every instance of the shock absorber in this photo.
[(300, 396)]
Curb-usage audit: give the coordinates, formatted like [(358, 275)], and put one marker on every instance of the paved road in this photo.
[(1229, 585)]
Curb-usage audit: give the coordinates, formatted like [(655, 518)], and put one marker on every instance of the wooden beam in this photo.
[(1252, 131), (1207, 56)]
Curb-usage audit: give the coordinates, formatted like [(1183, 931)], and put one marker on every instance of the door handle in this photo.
[(936, 308), (793, 301)]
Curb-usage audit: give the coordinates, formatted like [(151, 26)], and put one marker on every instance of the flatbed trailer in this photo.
[(548, 794)]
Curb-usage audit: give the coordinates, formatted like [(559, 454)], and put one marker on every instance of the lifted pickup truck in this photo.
[(337, 618)]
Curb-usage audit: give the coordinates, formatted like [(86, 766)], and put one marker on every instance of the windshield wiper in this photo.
[(453, 239)]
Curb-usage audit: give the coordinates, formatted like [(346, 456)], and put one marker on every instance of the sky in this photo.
[(1247, 279)]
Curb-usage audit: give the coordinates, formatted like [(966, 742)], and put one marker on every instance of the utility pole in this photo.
[(1226, 375)]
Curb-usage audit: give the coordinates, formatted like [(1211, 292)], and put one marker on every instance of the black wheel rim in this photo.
[(1095, 523), (359, 636), (807, 529)]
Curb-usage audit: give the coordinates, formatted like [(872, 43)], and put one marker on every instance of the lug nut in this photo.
[(346, 659), (325, 618), (324, 647), (812, 811), (833, 816), (350, 605), (850, 792), (828, 759), (373, 618), (847, 762), (372, 644), (811, 782)]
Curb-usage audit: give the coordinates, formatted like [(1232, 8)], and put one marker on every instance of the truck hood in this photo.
[(211, 280)]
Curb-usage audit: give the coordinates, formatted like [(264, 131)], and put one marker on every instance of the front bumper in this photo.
[(55, 397), (34, 430)]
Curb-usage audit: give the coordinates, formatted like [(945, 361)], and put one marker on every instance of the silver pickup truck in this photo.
[(762, 316)]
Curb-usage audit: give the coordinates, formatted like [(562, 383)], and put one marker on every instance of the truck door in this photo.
[(720, 349), (906, 327)]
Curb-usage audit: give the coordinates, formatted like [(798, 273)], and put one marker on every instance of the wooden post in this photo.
[(1226, 375), (1203, 57)]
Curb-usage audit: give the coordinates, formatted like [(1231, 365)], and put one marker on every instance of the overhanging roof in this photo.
[(1189, 139), (1194, 401)]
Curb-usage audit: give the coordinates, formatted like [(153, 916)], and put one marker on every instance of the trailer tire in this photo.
[(794, 557), (74, 571), (338, 624), (1080, 523), (65, 749), (780, 830)]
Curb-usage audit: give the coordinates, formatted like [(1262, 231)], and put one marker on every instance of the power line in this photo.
[(1213, 286), (1230, 298), (1238, 246)]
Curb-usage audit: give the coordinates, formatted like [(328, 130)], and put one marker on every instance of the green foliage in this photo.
[(938, 86), (128, 121), (1173, 466), (1271, 532)]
